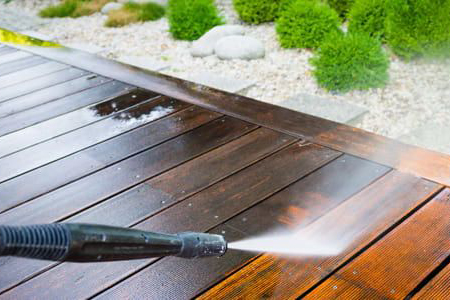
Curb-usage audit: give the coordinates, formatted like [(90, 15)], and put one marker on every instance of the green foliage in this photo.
[(64, 9), (190, 19), (341, 6), (351, 61), (257, 11), (133, 12), (418, 28), (305, 23), (368, 16)]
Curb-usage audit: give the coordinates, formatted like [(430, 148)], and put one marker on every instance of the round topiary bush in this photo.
[(368, 16), (418, 28), (349, 62), (305, 23), (341, 6), (257, 11), (190, 19)]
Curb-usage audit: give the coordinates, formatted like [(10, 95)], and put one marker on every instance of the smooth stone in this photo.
[(111, 6), (144, 62), (239, 47), (431, 136), (86, 47), (335, 110), (228, 84), (204, 46)]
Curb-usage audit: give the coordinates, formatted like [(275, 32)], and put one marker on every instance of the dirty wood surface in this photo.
[(86, 139)]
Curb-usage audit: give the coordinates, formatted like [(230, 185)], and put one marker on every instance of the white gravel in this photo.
[(417, 92)]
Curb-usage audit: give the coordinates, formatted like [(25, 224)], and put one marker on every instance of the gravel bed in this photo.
[(417, 92)]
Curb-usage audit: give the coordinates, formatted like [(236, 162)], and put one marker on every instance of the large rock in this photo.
[(111, 6), (205, 45), (239, 47)]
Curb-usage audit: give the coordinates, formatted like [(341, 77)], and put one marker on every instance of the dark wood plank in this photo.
[(6, 50), (424, 163), (366, 215), (437, 288), (64, 105), (268, 215), (113, 180), (49, 94), (305, 158), (21, 64), (12, 56), (396, 264), (31, 73), (12, 92), (71, 121), (61, 146), (73, 167)]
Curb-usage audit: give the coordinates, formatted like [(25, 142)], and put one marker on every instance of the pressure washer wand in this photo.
[(97, 243)]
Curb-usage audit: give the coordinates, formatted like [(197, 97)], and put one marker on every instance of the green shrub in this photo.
[(305, 23), (418, 28), (64, 9), (190, 19), (341, 6), (133, 12), (351, 61), (257, 11), (368, 16)]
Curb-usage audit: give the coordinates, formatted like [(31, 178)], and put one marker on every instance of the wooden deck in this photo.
[(85, 139)]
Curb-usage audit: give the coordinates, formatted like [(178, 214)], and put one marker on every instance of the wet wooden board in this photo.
[(139, 149), (64, 105)]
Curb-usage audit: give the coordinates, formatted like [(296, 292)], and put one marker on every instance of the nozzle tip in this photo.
[(202, 245)]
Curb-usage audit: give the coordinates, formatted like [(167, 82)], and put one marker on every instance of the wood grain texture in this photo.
[(21, 64), (31, 73), (437, 288), (172, 278), (74, 141), (71, 121), (424, 163), (397, 263), (12, 56), (53, 93), (90, 160), (360, 219), (15, 91), (53, 109), (226, 198)]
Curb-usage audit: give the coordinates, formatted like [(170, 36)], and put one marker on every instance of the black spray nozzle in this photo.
[(95, 243)]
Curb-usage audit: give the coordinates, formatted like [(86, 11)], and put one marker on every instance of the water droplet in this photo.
[(319, 268), (99, 257), (119, 168), (137, 176), (223, 231), (133, 96), (190, 204), (392, 291), (163, 202), (216, 217), (223, 120), (343, 160), (244, 219), (334, 287), (355, 272), (183, 192)]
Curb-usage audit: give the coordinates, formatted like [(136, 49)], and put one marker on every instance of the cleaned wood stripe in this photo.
[(12, 92), (12, 56), (21, 64), (365, 215), (23, 75), (70, 121), (49, 94), (424, 163), (90, 160), (61, 146), (271, 214), (53, 109), (397, 263), (112, 180), (139, 206)]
